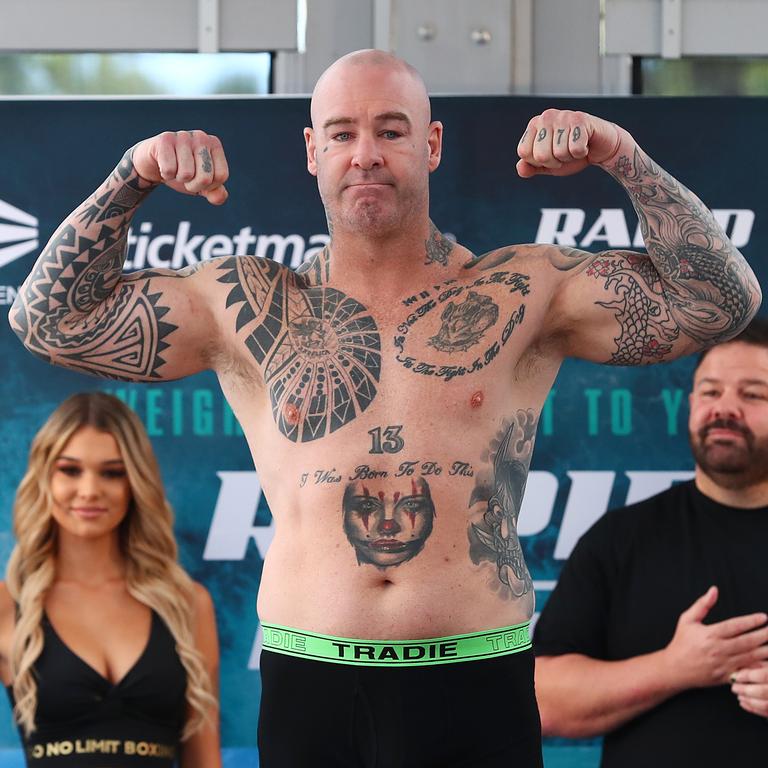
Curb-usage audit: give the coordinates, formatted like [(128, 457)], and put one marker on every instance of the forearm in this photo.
[(80, 268), (711, 291), (581, 697)]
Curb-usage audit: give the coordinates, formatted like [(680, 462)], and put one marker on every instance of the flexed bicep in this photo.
[(617, 307), (692, 289), (610, 307), (148, 326), (78, 309)]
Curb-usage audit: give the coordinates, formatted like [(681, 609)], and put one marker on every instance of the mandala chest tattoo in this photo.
[(319, 349)]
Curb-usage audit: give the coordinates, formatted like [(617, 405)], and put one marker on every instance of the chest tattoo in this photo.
[(469, 318), (319, 349)]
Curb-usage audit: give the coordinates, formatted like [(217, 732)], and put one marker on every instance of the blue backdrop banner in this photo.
[(607, 436)]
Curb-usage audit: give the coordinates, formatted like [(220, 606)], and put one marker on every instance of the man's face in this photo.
[(728, 424), (388, 526), (371, 147)]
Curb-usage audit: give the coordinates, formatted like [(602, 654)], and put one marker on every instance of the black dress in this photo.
[(85, 721)]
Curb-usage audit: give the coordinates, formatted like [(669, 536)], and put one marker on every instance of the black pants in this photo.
[(473, 714)]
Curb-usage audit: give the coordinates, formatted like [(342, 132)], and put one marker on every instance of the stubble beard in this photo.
[(368, 219), (375, 218)]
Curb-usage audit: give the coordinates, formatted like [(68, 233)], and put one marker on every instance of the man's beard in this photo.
[(730, 464)]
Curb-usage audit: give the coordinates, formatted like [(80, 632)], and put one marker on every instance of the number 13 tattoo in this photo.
[(391, 442)]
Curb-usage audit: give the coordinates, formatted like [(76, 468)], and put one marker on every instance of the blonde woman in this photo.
[(108, 648)]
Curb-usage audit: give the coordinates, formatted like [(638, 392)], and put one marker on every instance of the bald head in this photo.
[(372, 146), (379, 71)]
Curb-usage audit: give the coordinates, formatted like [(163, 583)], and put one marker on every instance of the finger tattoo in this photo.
[(576, 133), (560, 132), (522, 138), (542, 135), (205, 155)]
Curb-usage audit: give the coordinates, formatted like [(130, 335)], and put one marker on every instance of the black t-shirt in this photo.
[(620, 595)]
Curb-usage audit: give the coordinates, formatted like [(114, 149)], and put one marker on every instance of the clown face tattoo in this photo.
[(388, 526)]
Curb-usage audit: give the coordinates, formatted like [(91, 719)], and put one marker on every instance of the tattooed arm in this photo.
[(77, 308), (692, 289)]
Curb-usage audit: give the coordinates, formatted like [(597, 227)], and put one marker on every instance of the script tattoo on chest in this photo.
[(319, 349), (468, 315), (495, 538)]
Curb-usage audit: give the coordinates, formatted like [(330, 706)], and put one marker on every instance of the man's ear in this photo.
[(435, 143), (309, 140)]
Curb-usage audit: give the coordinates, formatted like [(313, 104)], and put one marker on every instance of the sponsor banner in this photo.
[(607, 435)]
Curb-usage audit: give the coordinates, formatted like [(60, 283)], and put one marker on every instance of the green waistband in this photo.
[(397, 653)]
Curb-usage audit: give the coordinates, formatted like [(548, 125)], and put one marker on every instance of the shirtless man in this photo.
[(390, 391)]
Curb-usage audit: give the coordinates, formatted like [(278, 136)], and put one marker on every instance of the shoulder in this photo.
[(541, 256), (232, 269), (506, 257), (623, 523), (7, 605), (671, 499), (7, 619), (248, 283), (206, 636), (202, 602), (203, 609)]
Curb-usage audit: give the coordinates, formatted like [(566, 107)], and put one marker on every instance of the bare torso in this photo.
[(392, 443), (389, 398)]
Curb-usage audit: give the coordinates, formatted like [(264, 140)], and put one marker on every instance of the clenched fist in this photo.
[(560, 142), (191, 162)]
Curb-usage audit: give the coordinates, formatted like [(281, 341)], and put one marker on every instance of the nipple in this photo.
[(291, 413), (477, 399)]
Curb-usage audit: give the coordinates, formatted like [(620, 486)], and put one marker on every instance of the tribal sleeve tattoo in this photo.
[(76, 308), (708, 289)]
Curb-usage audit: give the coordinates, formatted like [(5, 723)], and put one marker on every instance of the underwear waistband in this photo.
[(397, 653)]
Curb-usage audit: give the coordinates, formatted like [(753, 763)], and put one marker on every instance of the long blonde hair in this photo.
[(153, 574)]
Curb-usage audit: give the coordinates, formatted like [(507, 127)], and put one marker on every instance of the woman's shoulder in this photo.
[(7, 620), (206, 635), (7, 605), (202, 602)]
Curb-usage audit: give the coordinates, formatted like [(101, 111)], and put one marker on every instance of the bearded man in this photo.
[(656, 633)]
